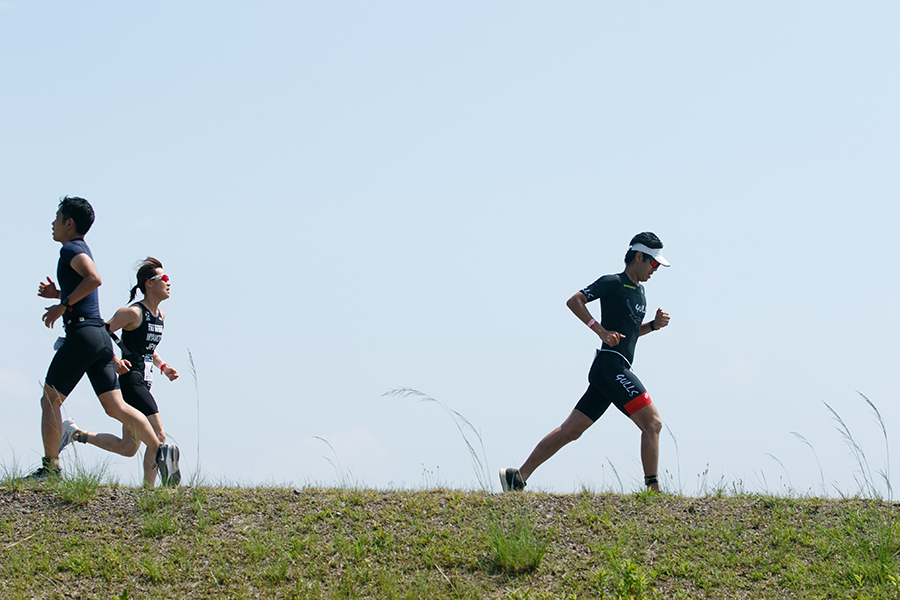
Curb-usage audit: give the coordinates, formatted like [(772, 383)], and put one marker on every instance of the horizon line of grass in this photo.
[(866, 485)]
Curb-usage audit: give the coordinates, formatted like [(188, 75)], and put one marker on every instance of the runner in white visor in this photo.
[(622, 319), (656, 253)]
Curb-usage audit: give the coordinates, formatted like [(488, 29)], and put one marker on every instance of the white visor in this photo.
[(656, 253)]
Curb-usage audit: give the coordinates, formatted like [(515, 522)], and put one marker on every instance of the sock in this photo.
[(650, 480), (51, 464)]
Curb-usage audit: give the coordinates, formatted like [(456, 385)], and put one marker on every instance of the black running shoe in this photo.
[(511, 480), (43, 473), (167, 462)]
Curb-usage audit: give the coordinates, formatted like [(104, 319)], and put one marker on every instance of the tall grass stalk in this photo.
[(345, 478), (616, 473), (865, 472), (702, 481), (193, 368), (819, 464), (783, 468), (463, 425), (677, 457), (886, 474)]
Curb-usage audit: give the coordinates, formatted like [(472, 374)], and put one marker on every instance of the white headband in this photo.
[(656, 253)]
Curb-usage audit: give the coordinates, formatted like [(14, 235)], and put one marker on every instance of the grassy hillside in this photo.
[(80, 539)]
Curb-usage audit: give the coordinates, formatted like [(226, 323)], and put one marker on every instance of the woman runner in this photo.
[(142, 326)]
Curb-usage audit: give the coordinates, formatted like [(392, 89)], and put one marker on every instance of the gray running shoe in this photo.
[(511, 480), (69, 429), (167, 462)]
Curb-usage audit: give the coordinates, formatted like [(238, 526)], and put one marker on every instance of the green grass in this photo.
[(83, 536), (81, 484), (227, 542), (516, 543)]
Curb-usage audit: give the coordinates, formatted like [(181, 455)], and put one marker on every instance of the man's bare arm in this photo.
[(578, 305)]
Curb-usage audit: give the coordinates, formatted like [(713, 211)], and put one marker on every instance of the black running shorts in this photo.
[(88, 350), (136, 393), (612, 382)]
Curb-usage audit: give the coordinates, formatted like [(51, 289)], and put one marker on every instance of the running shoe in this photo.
[(43, 474), (167, 462), (161, 463), (511, 481), (174, 471), (69, 429)]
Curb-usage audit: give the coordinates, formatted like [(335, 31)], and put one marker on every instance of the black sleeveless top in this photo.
[(85, 312), (140, 342)]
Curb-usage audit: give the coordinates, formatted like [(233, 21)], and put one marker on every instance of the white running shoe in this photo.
[(69, 429)]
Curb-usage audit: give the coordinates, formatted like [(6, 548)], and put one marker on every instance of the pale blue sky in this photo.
[(357, 197)]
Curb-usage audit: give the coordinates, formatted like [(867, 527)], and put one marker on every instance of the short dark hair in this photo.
[(646, 238), (79, 210), (146, 269)]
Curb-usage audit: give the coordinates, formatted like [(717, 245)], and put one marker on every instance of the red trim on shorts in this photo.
[(638, 403)]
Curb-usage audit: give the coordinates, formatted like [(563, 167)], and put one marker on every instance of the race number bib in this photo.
[(148, 369)]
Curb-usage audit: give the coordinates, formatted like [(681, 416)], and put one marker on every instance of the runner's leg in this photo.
[(135, 394), (130, 417), (126, 445), (571, 429), (150, 468), (51, 420), (648, 421)]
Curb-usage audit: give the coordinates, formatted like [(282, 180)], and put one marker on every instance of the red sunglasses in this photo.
[(163, 277)]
